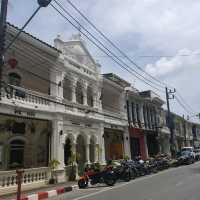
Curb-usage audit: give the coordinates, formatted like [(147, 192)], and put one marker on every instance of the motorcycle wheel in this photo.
[(133, 174), (82, 183), (127, 177), (110, 180)]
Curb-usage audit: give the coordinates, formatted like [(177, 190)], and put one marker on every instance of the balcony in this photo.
[(13, 95)]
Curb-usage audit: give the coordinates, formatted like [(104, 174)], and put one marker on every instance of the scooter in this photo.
[(106, 176)]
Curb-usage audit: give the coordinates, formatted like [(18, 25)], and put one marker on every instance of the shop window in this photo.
[(14, 79), (17, 153), (18, 128)]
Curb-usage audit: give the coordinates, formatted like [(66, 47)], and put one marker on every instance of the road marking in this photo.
[(131, 182)]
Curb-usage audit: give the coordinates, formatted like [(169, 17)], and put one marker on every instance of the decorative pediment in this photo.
[(76, 49)]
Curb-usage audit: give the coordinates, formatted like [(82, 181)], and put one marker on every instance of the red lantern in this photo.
[(12, 62)]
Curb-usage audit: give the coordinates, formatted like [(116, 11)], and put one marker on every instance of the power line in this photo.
[(114, 45), (182, 105), (109, 54), (184, 102), (96, 39), (123, 54)]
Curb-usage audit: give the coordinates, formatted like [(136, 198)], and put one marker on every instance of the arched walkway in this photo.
[(67, 151), (81, 153), (92, 149)]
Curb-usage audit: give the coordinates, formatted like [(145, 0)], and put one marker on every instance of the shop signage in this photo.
[(24, 113)]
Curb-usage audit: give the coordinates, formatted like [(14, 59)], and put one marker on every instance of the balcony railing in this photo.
[(24, 95), (8, 180)]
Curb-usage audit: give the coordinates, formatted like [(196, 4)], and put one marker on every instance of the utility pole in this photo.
[(3, 15), (184, 129), (169, 95)]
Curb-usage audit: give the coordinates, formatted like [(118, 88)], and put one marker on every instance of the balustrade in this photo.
[(8, 178)]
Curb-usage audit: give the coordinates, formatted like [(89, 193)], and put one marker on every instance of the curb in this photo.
[(47, 194)]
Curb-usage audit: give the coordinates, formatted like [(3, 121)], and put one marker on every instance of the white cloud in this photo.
[(181, 61), (181, 72)]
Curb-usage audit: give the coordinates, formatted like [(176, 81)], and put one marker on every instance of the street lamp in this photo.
[(44, 3)]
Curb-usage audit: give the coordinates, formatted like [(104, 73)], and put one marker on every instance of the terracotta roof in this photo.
[(35, 38)]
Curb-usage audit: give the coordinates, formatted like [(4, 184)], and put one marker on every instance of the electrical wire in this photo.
[(109, 54), (114, 45), (184, 101), (182, 105)]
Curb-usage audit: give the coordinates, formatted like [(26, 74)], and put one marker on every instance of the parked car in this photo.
[(190, 149), (185, 158), (197, 154)]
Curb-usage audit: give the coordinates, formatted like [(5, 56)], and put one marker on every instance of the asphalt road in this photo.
[(181, 183)]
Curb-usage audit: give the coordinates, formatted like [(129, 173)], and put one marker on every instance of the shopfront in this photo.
[(152, 143), (24, 142), (114, 144), (137, 143)]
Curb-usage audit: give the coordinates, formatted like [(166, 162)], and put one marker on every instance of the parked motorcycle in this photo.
[(106, 176), (124, 171), (162, 162), (138, 167)]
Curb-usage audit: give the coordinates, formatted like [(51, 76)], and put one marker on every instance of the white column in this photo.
[(88, 152), (56, 86), (127, 150), (74, 80), (84, 90), (57, 150), (96, 156), (146, 146), (135, 114), (95, 97), (102, 145), (130, 112), (141, 114)]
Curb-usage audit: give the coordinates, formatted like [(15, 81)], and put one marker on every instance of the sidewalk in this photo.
[(68, 186)]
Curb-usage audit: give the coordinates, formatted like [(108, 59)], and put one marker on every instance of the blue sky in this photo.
[(140, 28)]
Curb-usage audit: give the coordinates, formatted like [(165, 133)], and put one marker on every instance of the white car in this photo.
[(190, 149)]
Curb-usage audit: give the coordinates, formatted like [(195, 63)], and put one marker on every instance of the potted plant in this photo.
[(126, 157), (53, 164), (72, 170)]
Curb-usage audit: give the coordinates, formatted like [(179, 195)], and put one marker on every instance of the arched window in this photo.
[(14, 79)]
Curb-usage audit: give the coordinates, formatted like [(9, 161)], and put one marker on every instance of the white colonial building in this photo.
[(51, 108)]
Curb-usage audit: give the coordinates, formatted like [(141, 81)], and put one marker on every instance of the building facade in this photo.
[(52, 107), (116, 135), (146, 126)]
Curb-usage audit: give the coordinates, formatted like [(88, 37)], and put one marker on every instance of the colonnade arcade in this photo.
[(84, 149), (143, 115), (80, 91)]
